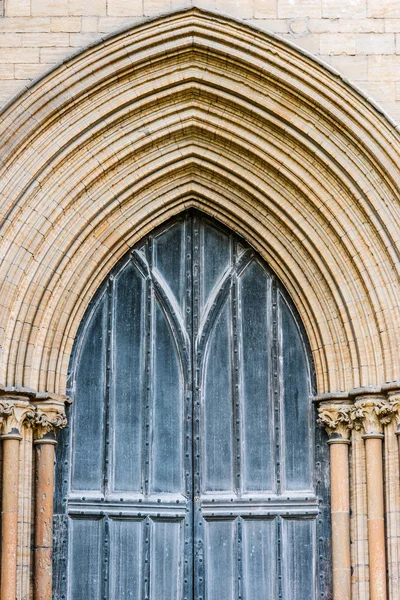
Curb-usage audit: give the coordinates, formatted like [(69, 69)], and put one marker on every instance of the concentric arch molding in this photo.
[(193, 109)]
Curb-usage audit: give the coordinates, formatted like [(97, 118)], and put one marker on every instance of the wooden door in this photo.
[(192, 446)]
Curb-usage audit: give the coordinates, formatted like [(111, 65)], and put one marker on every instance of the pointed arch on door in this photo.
[(193, 109)]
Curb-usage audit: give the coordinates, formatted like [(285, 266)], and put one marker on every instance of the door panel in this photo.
[(126, 558), (90, 385), (259, 559), (127, 382), (166, 441), (255, 318), (217, 403), (86, 558), (192, 441)]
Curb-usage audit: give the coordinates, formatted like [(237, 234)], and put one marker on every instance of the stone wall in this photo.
[(360, 38)]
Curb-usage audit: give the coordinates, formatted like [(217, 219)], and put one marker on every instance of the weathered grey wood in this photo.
[(220, 563), (255, 385), (193, 433), (166, 560), (299, 558), (85, 558), (127, 399), (126, 560), (260, 559), (88, 421), (218, 410), (296, 404)]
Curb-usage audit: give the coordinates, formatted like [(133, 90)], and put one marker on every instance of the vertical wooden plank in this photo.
[(126, 559), (220, 555), (88, 419), (167, 426), (259, 559), (218, 410), (166, 560), (257, 426), (296, 405), (169, 259), (127, 379), (299, 558), (216, 257), (85, 558)]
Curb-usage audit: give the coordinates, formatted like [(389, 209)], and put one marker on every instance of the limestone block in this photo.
[(89, 24), (65, 24), (49, 8), (19, 55), (375, 43), (54, 55), (299, 8), (87, 7), (338, 43), (8, 89), (10, 40), (80, 40), (354, 68), (310, 43), (274, 25), (391, 25), (20, 24), (152, 8), (265, 9), (346, 25), (6, 72), (355, 9), (242, 9), (379, 92), (38, 40), (28, 71), (398, 43), (128, 8), (384, 68), (178, 4), (110, 24), (18, 8), (384, 8)]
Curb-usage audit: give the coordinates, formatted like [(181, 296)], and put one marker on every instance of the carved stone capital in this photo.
[(372, 413), (337, 420), (49, 417), (394, 400), (14, 413)]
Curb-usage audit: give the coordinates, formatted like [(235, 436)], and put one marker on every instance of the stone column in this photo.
[(49, 417), (371, 413), (14, 412), (336, 418)]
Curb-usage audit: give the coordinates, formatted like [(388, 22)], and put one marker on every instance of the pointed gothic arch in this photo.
[(193, 109)]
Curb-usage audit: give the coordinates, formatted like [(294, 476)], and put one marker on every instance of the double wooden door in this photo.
[(192, 446)]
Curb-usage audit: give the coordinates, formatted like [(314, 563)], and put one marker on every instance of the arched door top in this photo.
[(193, 109), (192, 467)]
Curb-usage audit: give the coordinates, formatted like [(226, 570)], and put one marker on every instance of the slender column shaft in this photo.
[(9, 514), (375, 517), (44, 481), (340, 508)]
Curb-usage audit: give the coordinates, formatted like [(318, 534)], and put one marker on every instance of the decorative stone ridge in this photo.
[(369, 409), (336, 417), (49, 417), (45, 413), (372, 414)]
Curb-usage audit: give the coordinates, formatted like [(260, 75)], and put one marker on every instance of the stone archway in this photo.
[(193, 109)]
